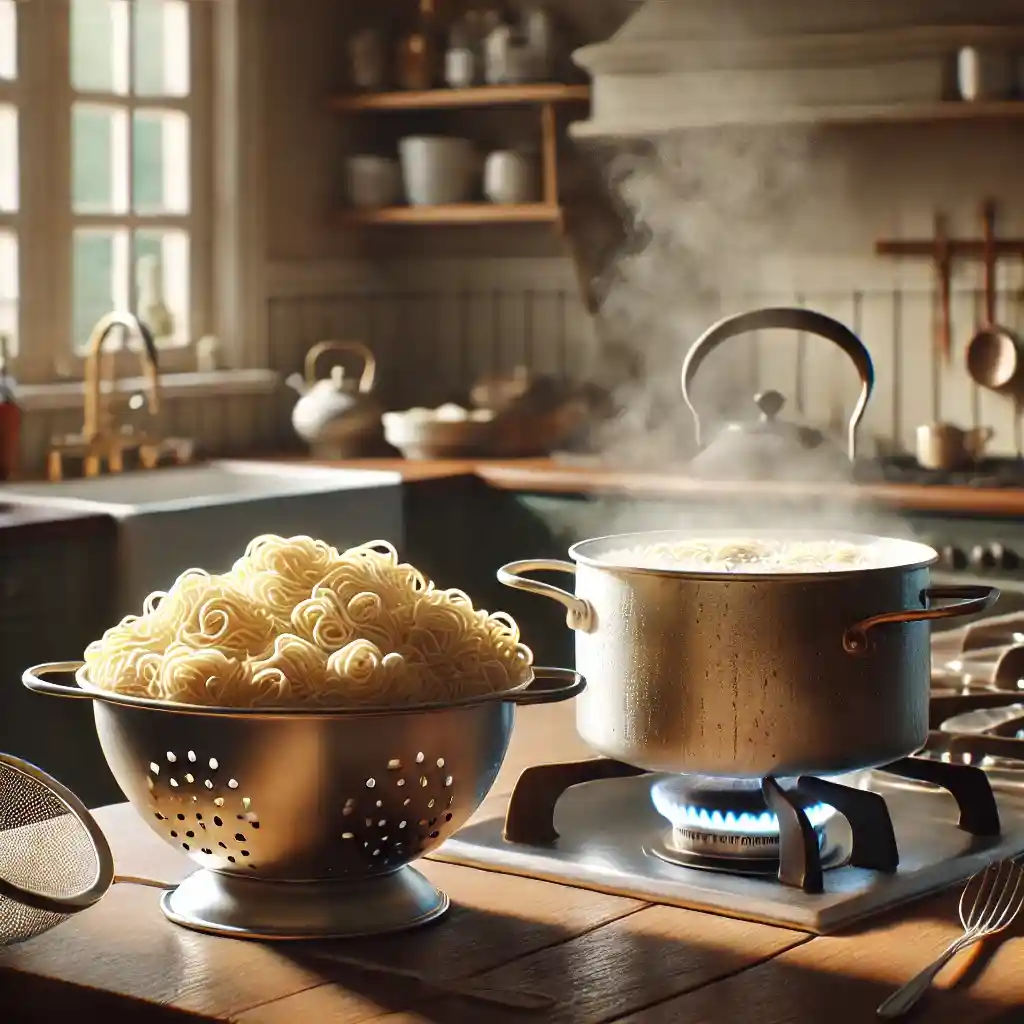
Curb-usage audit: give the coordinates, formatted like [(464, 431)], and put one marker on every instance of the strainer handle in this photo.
[(30, 678), (549, 686)]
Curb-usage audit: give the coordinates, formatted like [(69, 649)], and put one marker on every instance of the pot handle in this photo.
[(967, 600), (549, 686), (579, 613), (30, 678), (804, 320)]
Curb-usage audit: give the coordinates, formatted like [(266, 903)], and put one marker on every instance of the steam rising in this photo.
[(709, 213)]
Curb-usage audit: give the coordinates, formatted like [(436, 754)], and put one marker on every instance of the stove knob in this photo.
[(1005, 558), (953, 557), (984, 557)]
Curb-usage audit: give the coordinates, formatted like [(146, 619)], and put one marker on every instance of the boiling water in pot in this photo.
[(754, 555)]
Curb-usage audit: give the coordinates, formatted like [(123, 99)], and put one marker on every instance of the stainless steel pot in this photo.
[(750, 675)]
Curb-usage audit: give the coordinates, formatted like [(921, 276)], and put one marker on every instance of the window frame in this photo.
[(46, 220)]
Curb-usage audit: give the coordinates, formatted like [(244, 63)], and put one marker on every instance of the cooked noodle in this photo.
[(296, 622), (732, 555)]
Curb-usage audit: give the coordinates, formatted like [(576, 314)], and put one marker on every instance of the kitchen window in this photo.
[(110, 208), (9, 176)]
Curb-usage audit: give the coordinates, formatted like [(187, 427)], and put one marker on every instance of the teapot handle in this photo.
[(803, 320), (321, 348)]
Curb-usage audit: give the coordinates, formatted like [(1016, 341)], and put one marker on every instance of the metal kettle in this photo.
[(337, 416), (769, 448)]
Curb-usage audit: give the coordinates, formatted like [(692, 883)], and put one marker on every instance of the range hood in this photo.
[(679, 64)]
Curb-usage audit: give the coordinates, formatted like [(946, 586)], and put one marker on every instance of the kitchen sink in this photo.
[(222, 482), (170, 520)]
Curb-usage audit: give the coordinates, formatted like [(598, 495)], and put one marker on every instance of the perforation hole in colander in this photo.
[(401, 811), (203, 810)]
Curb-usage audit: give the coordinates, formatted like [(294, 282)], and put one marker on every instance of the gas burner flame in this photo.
[(670, 804)]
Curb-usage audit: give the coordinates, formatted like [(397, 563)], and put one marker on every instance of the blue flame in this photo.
[(701, 819)]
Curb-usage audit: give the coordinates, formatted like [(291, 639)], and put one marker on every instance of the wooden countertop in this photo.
[(600, 958), (546, 475)]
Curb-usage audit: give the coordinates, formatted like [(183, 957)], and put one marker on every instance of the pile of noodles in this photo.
[(745, 555), (296, 622)]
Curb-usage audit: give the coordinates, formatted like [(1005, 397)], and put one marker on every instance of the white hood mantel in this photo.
[(679, 64)]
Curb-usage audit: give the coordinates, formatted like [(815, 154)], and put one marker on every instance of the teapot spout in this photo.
[(297, 383)]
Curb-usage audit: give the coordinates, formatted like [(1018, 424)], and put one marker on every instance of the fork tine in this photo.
[(1014, 901), (981, 884)]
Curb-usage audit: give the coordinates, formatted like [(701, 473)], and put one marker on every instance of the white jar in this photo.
[(497, 47), (509, 178), (540, 38), (460, 67), (373, 181), (984, 74)]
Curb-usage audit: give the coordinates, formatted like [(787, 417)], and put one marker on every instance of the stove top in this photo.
[(812, 854), (903, 469)]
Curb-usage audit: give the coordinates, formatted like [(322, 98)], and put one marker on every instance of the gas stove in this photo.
[(810, 853)]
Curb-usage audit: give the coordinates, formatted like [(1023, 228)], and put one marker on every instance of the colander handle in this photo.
[(30, 678), (549, 686)]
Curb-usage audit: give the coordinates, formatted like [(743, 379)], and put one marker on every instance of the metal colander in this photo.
[(333, 803), (54, 859)]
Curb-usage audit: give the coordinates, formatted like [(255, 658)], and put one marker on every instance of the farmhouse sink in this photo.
[(221, 482), (170, 520)]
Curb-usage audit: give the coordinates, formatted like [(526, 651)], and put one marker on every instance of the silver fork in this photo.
[(990, 901)]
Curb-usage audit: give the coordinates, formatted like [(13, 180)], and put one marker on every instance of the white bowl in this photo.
[(437, 170)]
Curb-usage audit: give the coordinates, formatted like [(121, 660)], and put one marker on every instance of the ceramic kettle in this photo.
[(337, 416), (770, 448)]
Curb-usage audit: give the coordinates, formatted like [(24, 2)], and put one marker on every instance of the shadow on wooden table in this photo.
[(598, 958)]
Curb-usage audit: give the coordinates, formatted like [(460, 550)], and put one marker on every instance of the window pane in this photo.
[(8, 158), (162, 280), (9, 288), (161, 47), (8, 40), (101, 262), (160, 161), (99, 159), (99, 45)]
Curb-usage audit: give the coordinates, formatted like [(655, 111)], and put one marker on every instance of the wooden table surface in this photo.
[(598, 958)]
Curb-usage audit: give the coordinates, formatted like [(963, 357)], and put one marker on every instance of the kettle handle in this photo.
[(803, 320), (321, 348)]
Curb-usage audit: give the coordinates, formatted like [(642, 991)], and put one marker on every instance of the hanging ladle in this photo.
[(995, 355)]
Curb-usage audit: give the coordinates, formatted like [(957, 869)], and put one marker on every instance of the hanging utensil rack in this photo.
[(945, 252)]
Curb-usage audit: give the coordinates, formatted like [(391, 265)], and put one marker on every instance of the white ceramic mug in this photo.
[(373, 181), (509, 178)]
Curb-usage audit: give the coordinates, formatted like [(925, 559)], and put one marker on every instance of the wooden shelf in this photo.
[(453, 99), (899, 113), (455, 213)]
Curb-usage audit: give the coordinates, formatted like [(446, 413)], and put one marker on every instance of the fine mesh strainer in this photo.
[(54, 860), (303, 821)]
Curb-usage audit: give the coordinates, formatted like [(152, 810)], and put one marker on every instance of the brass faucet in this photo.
[(99, 441)]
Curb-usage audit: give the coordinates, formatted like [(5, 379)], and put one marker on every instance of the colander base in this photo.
[(254, 908)]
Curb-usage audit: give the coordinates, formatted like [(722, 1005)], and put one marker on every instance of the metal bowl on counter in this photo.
[(303, 821), (746, 674)]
